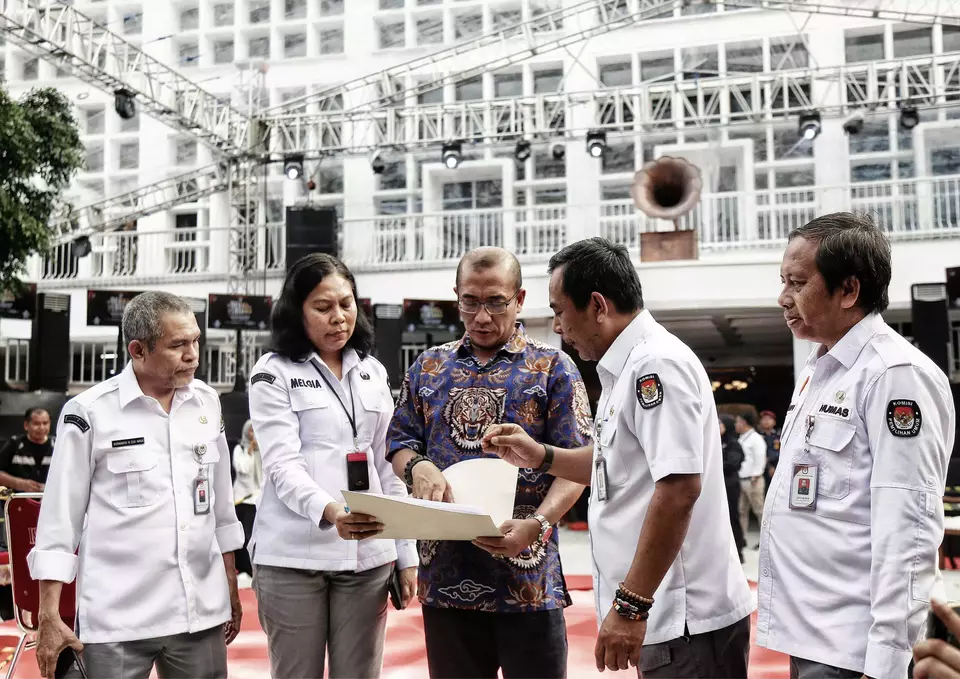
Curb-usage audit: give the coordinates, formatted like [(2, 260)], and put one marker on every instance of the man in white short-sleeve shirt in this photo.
[(666, 572)]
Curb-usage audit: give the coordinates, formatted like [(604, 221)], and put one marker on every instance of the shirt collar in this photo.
[(515, 345), (850, 345), (130, 391), (615, 358), (350, 360)]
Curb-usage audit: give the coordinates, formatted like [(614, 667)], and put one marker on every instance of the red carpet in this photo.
[(405, 656)]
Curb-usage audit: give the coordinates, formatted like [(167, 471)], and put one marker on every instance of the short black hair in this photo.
[(288, 336), (851, 245), (750, 417), (597, 265), (482, 259), (27, 416)]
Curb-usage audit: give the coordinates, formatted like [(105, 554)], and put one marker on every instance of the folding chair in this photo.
[(22, 513)]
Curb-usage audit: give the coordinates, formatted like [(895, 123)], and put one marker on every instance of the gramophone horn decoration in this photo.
[(667, 188)]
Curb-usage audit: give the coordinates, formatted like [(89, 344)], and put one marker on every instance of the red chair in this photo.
[(22, 514)]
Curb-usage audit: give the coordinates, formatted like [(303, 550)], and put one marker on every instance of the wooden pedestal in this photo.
[(662, 246)]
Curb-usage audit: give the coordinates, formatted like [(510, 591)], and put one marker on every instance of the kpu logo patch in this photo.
[(903, 418), (649, 391)]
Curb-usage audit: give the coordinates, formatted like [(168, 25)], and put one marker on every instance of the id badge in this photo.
[(201, 493), (358, 476), (803, 486), (601, 478)]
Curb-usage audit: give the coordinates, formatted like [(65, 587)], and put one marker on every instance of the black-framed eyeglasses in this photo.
[(498, 308)]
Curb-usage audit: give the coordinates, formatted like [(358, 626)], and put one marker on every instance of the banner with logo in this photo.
[(105, 307), (239, 312), (21, 305), (427, 315)]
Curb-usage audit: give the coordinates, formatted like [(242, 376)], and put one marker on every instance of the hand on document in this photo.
[(429, 483), (512, 444), (518, 535)]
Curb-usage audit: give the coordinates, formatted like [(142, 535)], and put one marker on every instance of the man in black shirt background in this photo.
[(25, 460)]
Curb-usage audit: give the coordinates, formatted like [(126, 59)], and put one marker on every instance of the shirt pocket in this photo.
[(613, 462), (135, 476), (374, 401), (312, 407), (829, 443)]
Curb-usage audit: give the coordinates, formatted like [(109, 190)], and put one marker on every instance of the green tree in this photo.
[(40, 152)]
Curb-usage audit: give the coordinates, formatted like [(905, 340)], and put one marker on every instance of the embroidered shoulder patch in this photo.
[(81, 423), (263, 377), (649, 391), (903, 418)]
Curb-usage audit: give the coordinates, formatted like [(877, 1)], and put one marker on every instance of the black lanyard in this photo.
[(353, 406)]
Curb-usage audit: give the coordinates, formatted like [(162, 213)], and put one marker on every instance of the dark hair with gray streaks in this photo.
[(143, 316)]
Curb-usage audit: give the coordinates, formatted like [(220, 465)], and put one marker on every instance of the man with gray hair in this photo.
[(140, 481)]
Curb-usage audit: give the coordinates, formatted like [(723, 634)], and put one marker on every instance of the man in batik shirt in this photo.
[(496, 603)]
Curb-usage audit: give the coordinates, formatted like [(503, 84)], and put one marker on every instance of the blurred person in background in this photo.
[(247, 487), (25, 459), (732, 461), (768, 430), (754, 466), (320, 406)]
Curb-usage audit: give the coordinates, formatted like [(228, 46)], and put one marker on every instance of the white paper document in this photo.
[(484, 491)]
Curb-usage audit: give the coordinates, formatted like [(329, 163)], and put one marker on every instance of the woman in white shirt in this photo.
[(246, 489), (320, 405)]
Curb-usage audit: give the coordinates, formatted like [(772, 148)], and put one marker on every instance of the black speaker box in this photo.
[(309, 230), (930, 321), (50, 343), (388, 326), (953, 287)]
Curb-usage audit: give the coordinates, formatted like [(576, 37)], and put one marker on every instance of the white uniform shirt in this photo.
[(249, 469), (657, 417), (149, 566), (305, 436), (848, 582), (754, 454)]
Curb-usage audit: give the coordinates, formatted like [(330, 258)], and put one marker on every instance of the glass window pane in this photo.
[(391, 4), (94, 120), (913, 43), (507, 84), (392, 35), (331, 7), (259, 11), (331, 41), (864, 48), (699, 62), (223, 14), (185, 151), (619, 74), (872, 172), (133, 23), (951, 38), (788, 145), (787, 53), (656, 68), (189, 54), (430, 31), (546, 167), (786, 179), (190, 19), (259, 47), (547, 81), (467, 25), (295, 9), (745, 57), (470, 90), (222, 51), (872, 138), (394, 176), (295, 45), (505, 18), (556, 196), (129, 155), (619, 157)]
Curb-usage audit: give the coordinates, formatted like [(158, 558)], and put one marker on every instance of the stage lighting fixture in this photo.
[(377, 164), (558, 150), (853, 124), (809, 126), (123, 103), (451, 155), (596, 143), (909, 118), (522, 152), (293, 167)]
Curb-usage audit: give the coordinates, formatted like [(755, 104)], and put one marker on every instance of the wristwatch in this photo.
[(546, 530)]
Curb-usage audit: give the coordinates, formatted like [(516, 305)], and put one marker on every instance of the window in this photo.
[(619, 157), (331, 41), (133, 23), (259, 48), (391, 4), (507, 84), (615, 192), (223, 15), (951, 38), (422, 3), (94, 157), (392, 35), (260, 11), (699, 62), (470, 89), (185, 151), (190, 18), (540, 8), (871, 172), (873, 138), (296, 93), (619, 74), (788, 179), (129, 155), (504, 18), (94, 119), (430, 31), (788, 145), (130, 124), (189, 54), (788, 53), (295, 45), (31, 69), (394, 176), (547, 81), (331, 8), (745, 57), (546, 167), (656, 68), (864, 48), (913, 43), (223, 51), (554, 196), (295, 9), (433, 96), (467, 26)]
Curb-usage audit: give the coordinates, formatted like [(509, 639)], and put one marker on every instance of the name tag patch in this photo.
[(835, 410), (80, 423), (123, 443), (649, 391), (903, 418), (263, 377), (300, 383)]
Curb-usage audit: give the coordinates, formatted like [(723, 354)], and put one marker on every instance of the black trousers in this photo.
[(246, 515), (465, 644), (733, 503), (721, 654)]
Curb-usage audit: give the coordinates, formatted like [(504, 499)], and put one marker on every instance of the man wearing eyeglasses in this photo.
[(473, 594)]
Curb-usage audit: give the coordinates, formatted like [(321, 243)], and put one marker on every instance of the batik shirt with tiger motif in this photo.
[(446, 403)]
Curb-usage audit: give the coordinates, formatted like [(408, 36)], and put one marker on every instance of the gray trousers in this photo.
[(201, 655), (723, 653), (808, 669), (308, 613)]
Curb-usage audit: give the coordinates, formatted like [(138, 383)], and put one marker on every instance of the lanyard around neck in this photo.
[(352, 418)]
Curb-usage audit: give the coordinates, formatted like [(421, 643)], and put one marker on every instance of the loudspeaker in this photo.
[(50, 343), (930, 320), (388, 326), (953, 287), (309, 230)]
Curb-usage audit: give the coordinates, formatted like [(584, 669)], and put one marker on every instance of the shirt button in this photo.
[(132, 465), (765, 572), (183, 526)]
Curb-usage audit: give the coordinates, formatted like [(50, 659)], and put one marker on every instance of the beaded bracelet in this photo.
[(625, 610), (629, 595)]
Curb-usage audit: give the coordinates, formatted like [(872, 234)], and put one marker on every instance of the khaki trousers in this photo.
[(751, 499)]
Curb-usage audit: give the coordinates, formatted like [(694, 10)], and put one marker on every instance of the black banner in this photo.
[(105, 307), (426, 315), (20, 305), (239, 312)]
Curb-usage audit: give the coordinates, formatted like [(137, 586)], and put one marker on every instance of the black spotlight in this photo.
[(809, 126), (377, 164), (596, 143), (909, 117), (123, 103), (293, 167), (82, 247), (558, 150), (522, 152), (451, 155), (853, 124)]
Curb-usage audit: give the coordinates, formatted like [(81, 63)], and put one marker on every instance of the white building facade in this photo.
[(685, 84)]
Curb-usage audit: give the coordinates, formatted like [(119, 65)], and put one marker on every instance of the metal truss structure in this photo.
[(380, 110)]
